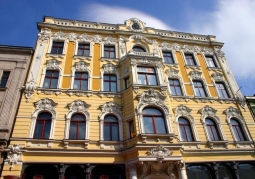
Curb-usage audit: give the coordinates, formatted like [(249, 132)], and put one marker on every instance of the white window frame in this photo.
[(219, 78), (58, 37), (214, 59), (173, 74), (109, 69), (194, 54), (109, 41), (51, 65), (173, 55), (196, 76)]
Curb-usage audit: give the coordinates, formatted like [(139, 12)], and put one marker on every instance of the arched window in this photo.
[(212, 130), (111, 128), (153, 121), (74, 172), (138, 49), (237, 129), (51, 79), (185, 129), (246, 171), (198, 172), (77, 127), (43, 126), (81, 81), (224, 172)]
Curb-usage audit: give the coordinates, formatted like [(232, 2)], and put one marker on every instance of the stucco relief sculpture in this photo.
[(44, 35), (195, 74), (208, 111), (53, 64), (168, 46), (45, 104), (14, 154), (233, 112), (160, 152), (217, 76), (81, 66), (77, 106), (30, 88), (182, 110), (110, 107), (109, 68), (172, 73)]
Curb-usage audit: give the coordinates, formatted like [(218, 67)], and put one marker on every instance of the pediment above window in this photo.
[(208, 111), (110, 108), (217, 76), (182, 110), (232, 112), (53, 64), (172, 73), (109, 68), (45, 105), (77, 106), (81, 66), (195, 74)]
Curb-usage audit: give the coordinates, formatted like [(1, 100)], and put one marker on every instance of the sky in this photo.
[(231, 21)]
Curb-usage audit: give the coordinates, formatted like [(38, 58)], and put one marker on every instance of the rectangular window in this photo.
[(51, 79), (146, 76), (175, 87), (109, 51), (126, 82), (210, 61), (110, 83), (168, 57), (4, 79), (199, 89), (83, 50), (190, 59), (222, 90), (81, 81), (57, 47)]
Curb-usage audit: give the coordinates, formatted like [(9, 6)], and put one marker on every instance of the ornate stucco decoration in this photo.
[(172, 73), (219, 53), (110, 108), (45, 105), (189, 48), (167, 46), (78, 106), (135, 25), (232, 112), (14, 154), (207, 50), (140, 38), (109, 68), (160, 152), (59, 35), (44, 35), (155, 47), (109, 40), (72, 36), (182, 110), (81, 66), (122, 44), (97, 38), (53, 64), (30, 88), (195, 75), (151, 97), (145, 61), (217, 76), (84, 38), (208, 111)]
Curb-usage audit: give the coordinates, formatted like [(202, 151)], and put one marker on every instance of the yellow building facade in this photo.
[(116, 101)]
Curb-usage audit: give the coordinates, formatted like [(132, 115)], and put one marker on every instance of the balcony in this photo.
[(142, 54)]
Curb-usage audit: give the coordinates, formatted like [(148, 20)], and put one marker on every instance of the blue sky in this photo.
[(232, 21)]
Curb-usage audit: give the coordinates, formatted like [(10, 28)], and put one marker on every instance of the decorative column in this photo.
[(132, 171), (182, 170), (215, 169), (234, 165)]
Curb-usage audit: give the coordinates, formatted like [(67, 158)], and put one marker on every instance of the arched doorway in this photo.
[(40, 172), (74, 172), (108, 172)]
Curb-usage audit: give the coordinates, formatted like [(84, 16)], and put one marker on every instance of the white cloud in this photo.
[(233, 23), (117, 15)]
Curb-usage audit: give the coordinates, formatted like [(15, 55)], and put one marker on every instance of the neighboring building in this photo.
[(123, 101), (250, 100), (14, 64)]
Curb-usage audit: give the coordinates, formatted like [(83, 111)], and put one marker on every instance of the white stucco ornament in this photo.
[(14, 154), (160, 152)]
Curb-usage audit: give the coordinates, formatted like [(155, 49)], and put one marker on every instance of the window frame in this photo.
[(51, 78), (81, 79), (146, 76), (180, 86), (215, 64), (109, 81), (57, 47), (77, 122), (193, 58), (190, 128), (172, 55), (139, 47), (219, 91), (203, 87), (212, 131), (42, 129), (86, 45), (63, 40), (7, 79), (110, 123)]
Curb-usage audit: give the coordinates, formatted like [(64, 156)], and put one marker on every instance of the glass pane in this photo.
[(152, 80), (55, 73), (112, 54), (107, 132), (113, 87), (209, 130), (54, 83), (173, 90), (84, 75), (110, 119), (215, 133), (152, 111), (182, 131), (77, 75), (188, 133), (46, 83), (178, 91), (160, 125), (81, 134), (113, 78), (44, 115), (202, 92), (106, 54), (247, 171), (141, 79), (209, 121), (47, 129), (224, 172), (76, 84), (145, 70), (106, 77), (72, 131), (115, 132), (233, 121), (240, 132), (78, 117), (198, 172), (80, 52), (106, 86), (84, 85), (38, 130), (183, 121), (148, 125)]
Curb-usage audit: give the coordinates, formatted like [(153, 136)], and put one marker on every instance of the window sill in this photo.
[(79, 93), (82, 57), (109, 59), (31, 142), (109, 94), (193, 67), (163, 89), (243, 144), (171, 64), (55, 55), (49, 91), (221, 143), (157, 137), (3, 88), (190, 144), (111, 144), (76, 143), (214, 69)]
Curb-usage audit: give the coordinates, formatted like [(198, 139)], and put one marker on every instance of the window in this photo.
[(81, 81), (109, 51), (210, 61), (126, 82), (111, 128), (51, 79), (224, 172), (131, 129), (246, 171), (190, 59), (77, 127), (212, 130), (4, 79), (168, 57), (43, 126), (199, 89), (222, 90), (153, 121), (57, 47), (83, 49), (185, 129), (175, 87), (146, 76), (138, 49), (237, 130), (198, 172), (110, 83)]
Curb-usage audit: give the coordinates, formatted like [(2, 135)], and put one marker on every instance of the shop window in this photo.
[(147, 76), (185, 130), (198, 172), (111, 128), (246, 171), (43, 126), (224, 172)]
